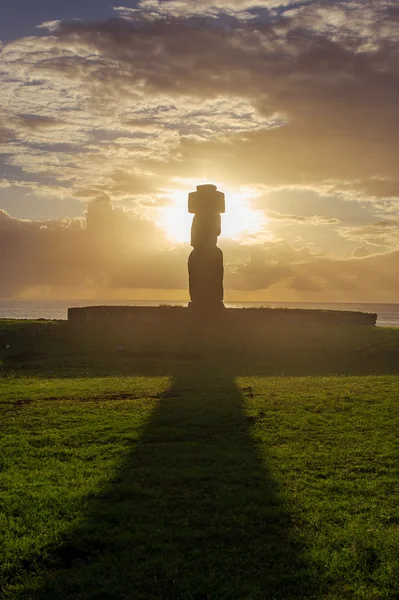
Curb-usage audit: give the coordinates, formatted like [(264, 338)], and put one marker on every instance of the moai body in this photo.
[(205, 263)]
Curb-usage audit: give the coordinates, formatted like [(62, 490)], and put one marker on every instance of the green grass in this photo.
[(201, 463)]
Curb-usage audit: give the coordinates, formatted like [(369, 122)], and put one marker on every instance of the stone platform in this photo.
[(292, 316)]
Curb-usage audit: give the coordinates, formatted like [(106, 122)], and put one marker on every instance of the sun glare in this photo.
[(238, 222)]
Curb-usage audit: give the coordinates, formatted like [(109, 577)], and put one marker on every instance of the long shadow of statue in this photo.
[(193, 513)]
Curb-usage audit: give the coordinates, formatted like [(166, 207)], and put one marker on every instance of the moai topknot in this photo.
[(205, 263)]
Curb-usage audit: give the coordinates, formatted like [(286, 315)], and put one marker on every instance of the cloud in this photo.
[(289, 100), (370, 278), (298, 219), (158, 9), (111, 249), (360, 252), (295, 100), (382, 233)]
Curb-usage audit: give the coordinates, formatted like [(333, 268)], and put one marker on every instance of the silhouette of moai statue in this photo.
[(205, 263)]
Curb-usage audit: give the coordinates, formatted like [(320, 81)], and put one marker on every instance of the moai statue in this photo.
[(205, 263)]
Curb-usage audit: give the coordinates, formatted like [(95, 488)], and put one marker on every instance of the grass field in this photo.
[(200, 462)]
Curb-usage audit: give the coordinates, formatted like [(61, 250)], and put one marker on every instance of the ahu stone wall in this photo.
[(261, 315)]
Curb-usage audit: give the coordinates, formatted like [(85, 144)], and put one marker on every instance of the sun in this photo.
[(240, 221)]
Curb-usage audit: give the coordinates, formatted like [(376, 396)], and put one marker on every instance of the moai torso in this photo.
[(205, 264)]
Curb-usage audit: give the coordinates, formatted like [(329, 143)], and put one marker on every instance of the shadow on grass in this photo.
[(65, 350), (192, 514)]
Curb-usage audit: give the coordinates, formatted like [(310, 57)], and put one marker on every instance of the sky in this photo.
[(111, 114)]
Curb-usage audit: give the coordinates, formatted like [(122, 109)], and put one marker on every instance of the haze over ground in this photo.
[(110, 116)]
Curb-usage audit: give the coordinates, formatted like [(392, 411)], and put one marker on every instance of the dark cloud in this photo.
[(39, 122)]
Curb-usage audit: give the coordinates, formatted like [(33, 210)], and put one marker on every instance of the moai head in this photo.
[(206, 204)]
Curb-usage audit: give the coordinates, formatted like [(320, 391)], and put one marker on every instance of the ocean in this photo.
[(388, 314)]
